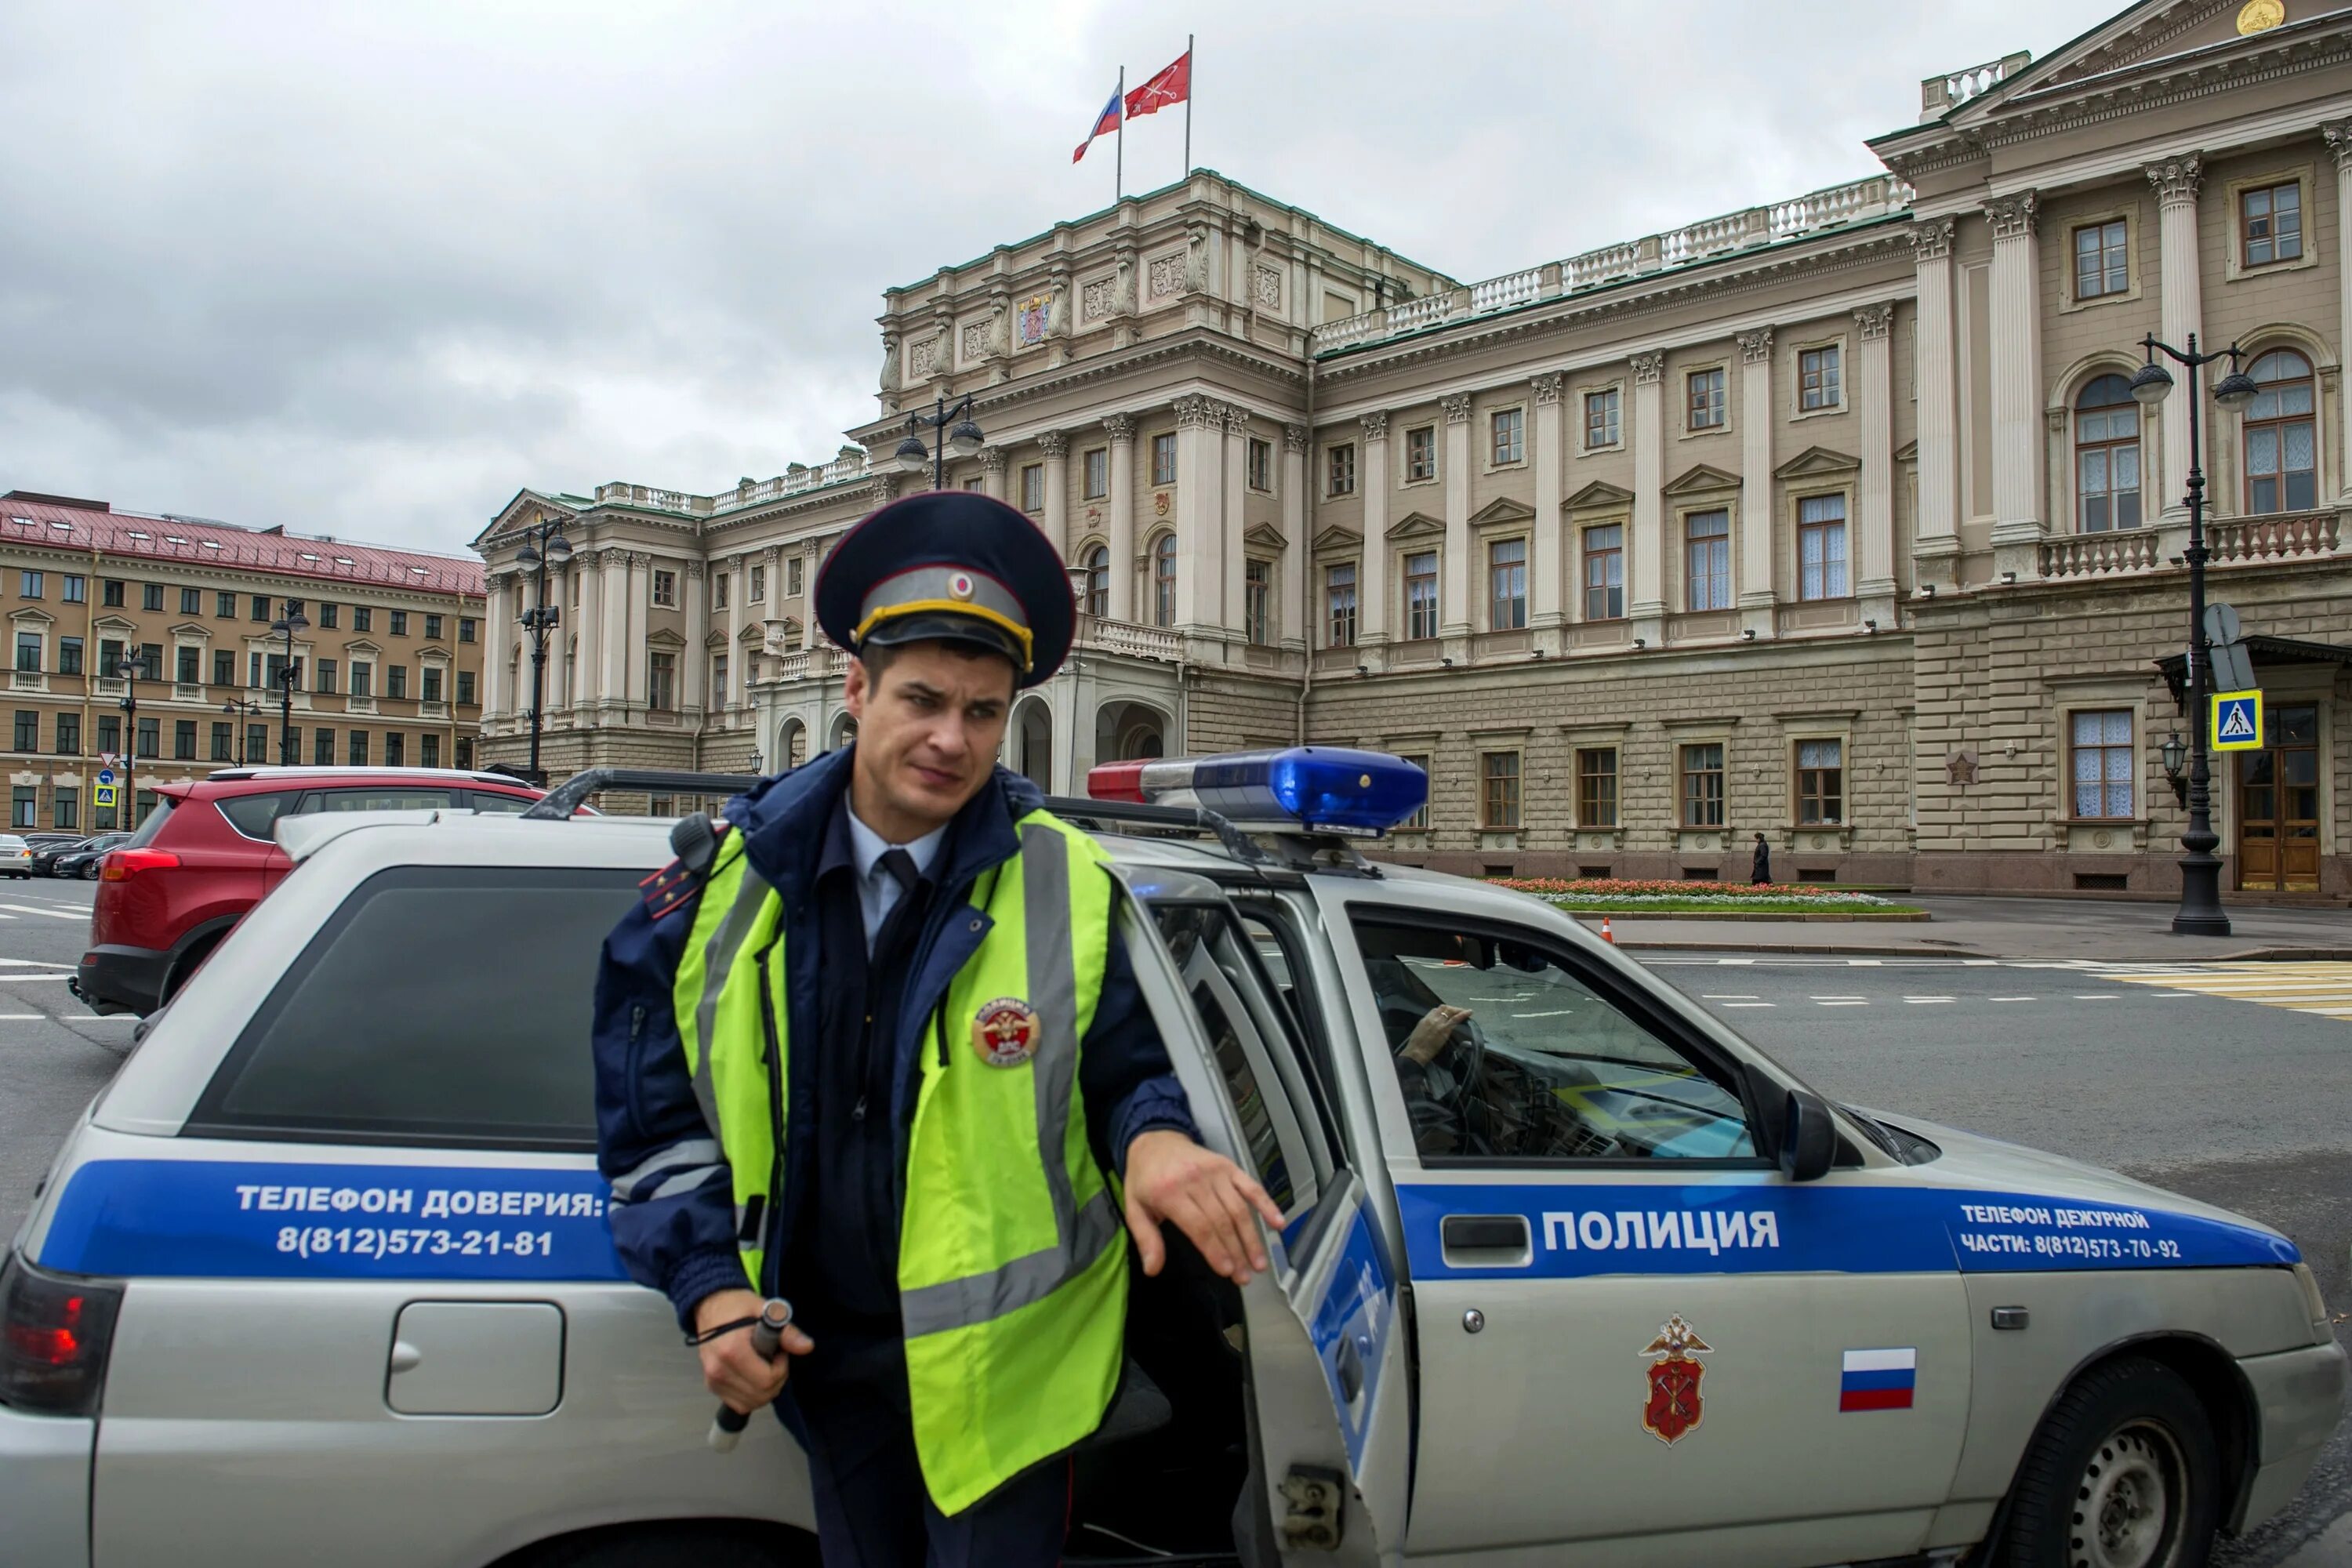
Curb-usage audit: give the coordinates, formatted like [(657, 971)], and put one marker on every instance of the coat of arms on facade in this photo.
[(1673, 1408), (1029, 319)]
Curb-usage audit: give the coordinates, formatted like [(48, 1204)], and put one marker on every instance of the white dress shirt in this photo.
[(879, 891)]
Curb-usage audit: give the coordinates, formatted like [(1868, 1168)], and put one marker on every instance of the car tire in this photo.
[(90, 872), (2123, 1473)]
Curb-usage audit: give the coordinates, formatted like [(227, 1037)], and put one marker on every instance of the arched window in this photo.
[(1098, 565), (2106, 457), (2282, 448), (1163, 581)]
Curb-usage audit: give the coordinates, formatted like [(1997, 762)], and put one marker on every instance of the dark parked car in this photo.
[(74, 856), (168, 895)]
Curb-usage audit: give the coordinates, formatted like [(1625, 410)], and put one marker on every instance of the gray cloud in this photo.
[(371, 268)]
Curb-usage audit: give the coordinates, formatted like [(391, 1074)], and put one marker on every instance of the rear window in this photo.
[(152, 825), (441, 1005), (491, 800), (254, 815), (383, 798)]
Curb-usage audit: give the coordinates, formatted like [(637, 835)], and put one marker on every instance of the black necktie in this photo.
[(902, 867)]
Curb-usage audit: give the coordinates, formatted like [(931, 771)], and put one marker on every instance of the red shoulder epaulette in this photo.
[(677, 882)]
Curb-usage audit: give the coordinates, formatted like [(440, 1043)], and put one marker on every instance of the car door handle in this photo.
[(1485, 1240), (1348, 1364), (405, 1356)]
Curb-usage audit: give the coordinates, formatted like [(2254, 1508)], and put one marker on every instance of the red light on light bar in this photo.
[(1117, 780)]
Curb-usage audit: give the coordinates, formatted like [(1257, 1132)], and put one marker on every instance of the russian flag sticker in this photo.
[(1878, 1380)]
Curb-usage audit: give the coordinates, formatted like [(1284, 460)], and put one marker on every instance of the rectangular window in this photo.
[(1097, 472), (1258, 600), (465, 751), (2103, 763), (1817, 379), (1420, 594), (430, 689), (1596, 786), (396, 750), (395, 680), (109, 732), (1820, 547), (150, 661), (362, 678), (223, 738), (74, 589), (400, 623), (322, 748), (359, 751), (664, 588), (1507, 585), (328, 616), (150, 738), (1605, 572), (261, 608), (1421, 817), (2102, 262), (1164, 458), (428, 750), (977, 482), (183, 740), (717, 600), (28, 653), (1420, 454), (1033, 486), (65, 806), (224, 666), (1600, 418), (719, 695), (22, 810), (1341, 462), (1702, 785), (1508, 426), (465, 627), (151, 595), (1706, 560), (257, 743), (110, 658), (1498, 790), (28, 585), (465, 688), (224, 606), (1703, 391), (192, 601), (2271, 223), (327, 677), (1339, 606), (661, 682), (363, 619), (190, 671), (1821, 783), (757, 593), (792, 567), (112, 595), (28, 730), (69, 734), (1260, 464), (433, 628), (70, 656)]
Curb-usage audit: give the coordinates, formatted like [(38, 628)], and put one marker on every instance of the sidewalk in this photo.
[(1981, 927)]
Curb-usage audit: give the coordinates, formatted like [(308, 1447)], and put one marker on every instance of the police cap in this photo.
[(951, 566)]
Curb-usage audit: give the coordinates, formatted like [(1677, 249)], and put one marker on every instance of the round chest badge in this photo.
[(1005, 1032)]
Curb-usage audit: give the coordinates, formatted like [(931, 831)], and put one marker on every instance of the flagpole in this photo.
[(1119, 162), (1192, 74)]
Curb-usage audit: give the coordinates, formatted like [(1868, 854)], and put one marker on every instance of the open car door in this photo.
[(1330, 1387)]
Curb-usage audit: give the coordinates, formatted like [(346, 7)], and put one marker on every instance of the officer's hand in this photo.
[(1211, 1199), (730, 1368), (1429, 1035)]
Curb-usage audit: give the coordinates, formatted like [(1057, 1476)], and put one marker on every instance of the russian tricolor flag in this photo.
[(1878, 1380)]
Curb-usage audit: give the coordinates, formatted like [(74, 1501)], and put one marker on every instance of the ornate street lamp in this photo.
[(286, 626), (241, 710), (2200, 870), (964, 439), (544, 545)]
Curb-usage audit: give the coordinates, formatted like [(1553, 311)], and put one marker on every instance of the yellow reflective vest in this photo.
[(1011, 1283)]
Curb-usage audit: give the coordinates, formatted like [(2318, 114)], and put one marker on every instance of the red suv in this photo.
[(167, 896)]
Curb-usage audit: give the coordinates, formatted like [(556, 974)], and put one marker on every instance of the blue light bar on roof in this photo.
[(1325, 789)]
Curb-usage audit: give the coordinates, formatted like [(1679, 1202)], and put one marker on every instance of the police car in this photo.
[(1570, 1269)]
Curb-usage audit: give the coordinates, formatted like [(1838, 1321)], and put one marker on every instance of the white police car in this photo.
[(1570, 1268)]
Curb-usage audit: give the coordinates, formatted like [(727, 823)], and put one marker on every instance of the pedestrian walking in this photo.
[(1759, 869), (901, 922)]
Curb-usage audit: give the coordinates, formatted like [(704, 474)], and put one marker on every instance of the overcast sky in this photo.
[(368, 269)]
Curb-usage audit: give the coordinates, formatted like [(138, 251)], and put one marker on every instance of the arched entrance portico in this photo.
[(1029, 742), (1126, 730), (792, 746)]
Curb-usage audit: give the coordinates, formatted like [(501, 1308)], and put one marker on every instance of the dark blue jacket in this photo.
[(673, 1210)]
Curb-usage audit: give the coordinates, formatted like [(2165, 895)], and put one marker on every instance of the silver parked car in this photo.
[(1570, 1268)]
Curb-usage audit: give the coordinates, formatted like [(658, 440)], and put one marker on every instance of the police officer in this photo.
[(873, 1044)]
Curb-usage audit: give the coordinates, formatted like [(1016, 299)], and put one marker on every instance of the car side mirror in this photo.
[(1807, 1137)]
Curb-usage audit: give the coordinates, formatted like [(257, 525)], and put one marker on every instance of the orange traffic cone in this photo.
[(1606, 935)]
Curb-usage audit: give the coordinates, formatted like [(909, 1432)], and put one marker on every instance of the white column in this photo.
[(1297, 615), (1233, 495), (2181, 296), (992, 471), (2016, 372), (588, 619), (1455, 572), (812, 558), (1757, 529), (2340, 141), (640, 580), (1937, 544), (1056, 448), (1372, 571), (1873, 392), (1121, 428), (1199, 502), (693, 679), (739, 668), (1645, 583), (558, 693), (496, 698), (613, 631), (1543, 551)]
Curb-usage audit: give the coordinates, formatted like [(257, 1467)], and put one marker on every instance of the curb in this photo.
[(1791, 916), (1832, 949)]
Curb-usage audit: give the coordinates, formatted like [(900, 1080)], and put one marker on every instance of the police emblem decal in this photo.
[(960, 587), (1671, 1410), (1005, 1032)]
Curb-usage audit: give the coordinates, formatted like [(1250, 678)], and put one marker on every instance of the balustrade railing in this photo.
[(1939, 95), (796, 480), (1130, 639), (2100, 554), (2283, 536)]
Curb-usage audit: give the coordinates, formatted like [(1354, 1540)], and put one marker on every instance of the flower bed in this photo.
[(1621, 893)]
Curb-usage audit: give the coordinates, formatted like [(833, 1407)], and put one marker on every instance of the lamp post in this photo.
[(2200, 870), (543, 545), (964, 439), (293, 620), (242, 709), (128, 668)]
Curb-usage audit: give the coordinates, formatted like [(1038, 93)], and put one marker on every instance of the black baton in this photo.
[(767, 1338)]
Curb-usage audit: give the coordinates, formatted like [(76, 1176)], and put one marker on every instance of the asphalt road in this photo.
[(2226, 1099)]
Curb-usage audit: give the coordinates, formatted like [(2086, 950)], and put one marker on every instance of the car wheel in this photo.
[(90, 872), (2123, 1473)]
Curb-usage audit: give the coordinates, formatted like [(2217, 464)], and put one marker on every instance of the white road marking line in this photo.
[(1981, 963), (1728, 1006), (1728, 996), (21, 1017), (1863, 963), (1837, 998), (28, 979), (38, 909), (1555, 1013), (2098, 996), (1737, 962), (2008, 998), (1929, 1001), (1841, 1004)]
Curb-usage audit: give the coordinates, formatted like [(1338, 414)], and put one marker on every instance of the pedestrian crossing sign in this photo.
[(105, 793), (2237, 720)]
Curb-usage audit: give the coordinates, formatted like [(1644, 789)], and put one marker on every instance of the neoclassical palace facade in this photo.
[(1832, 518)]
